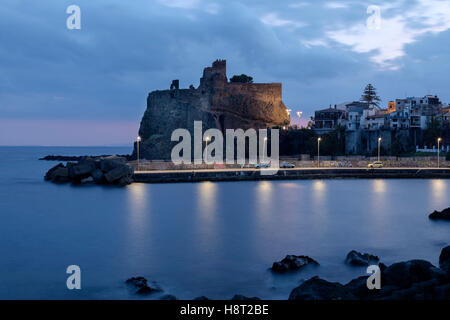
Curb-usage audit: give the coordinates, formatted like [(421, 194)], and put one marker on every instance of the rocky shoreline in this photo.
[(99, 170), (406, 280)]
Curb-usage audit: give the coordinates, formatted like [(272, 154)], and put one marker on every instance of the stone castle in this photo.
[(216, 102)]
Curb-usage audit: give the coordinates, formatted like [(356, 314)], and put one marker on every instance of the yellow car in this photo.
[(376, 164)]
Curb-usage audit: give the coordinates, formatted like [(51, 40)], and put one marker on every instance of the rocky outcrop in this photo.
[(356, 258), (440, 215), (407, 280), (293, 263), (216, 102), (141, 286), (239, 297), (319, 289), (110, 170), (444, 260)]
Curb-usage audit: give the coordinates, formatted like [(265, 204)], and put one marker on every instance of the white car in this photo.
[(287, 165), (376, 164)]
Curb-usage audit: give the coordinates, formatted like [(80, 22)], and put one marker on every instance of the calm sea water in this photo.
[(212, 239)]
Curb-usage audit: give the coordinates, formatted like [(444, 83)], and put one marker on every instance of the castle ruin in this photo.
[(217, 102)]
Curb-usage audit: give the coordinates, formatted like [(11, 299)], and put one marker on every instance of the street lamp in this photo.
[(439, 141), (264, 148), (138, 139), (207, 139), (318, 151), (379, 142)]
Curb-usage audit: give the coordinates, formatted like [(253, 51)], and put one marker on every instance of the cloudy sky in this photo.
[(89, 86)]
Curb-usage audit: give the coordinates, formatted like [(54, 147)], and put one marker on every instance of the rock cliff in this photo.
[(216, 102)]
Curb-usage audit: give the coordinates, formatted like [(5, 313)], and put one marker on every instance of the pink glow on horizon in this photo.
[(16, 132)]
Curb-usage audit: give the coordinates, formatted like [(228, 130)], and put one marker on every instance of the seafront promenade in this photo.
[(248, 174)]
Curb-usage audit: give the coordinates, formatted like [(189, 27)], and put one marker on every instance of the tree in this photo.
[(370, 96), (243, 78)]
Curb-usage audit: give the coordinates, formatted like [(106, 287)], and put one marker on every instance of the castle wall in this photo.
[(217, 103)]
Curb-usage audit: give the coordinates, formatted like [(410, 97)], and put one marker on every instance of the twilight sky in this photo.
[(89, 86)]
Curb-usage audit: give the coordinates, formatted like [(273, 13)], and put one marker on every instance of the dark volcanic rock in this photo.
[(113, 170), (444, 260), (405, 274), (201, 298), (239, 297), (111, 163), (319, 289), (82, 170), (98, 176), (293, 263), (50, 173), (168, 297), (355, 258), (117, 173), (140, 284), (440, 215)]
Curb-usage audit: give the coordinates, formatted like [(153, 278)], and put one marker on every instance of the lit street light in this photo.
[(264, 149), (137, 147), (207, 139), (379, 142), (318, 151), (439, 141)]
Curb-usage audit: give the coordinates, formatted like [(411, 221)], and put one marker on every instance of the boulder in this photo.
[(201, 298), (405, 274), (168, 297), (239, 297), (81, 170), (440, 215), (141, 285), (50, 173), (319, 289), (356, 258), (110, 163), (293, 263), (444, 260), (117, 173), (98, 176)]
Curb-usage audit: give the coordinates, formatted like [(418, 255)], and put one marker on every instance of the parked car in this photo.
[(376, 164), (262, 165), (287, 165)]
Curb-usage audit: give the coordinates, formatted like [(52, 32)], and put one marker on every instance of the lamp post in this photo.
[(206, 149), (379, 142), (318, 151), (264, 148), (439, 141), (138, 139)]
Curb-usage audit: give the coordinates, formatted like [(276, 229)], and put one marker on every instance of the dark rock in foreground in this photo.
[(140, 284), (293, 263), (407, 280), (239, 297), (440, 215), (319, 289), (168, 297), (110, 170), (355, 258), (201, 298), (444, 260)]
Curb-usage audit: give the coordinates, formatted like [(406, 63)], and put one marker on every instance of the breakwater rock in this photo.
[(108, 170), (440, 215)]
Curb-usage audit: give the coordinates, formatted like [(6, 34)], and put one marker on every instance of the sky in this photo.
[(88, 86)]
